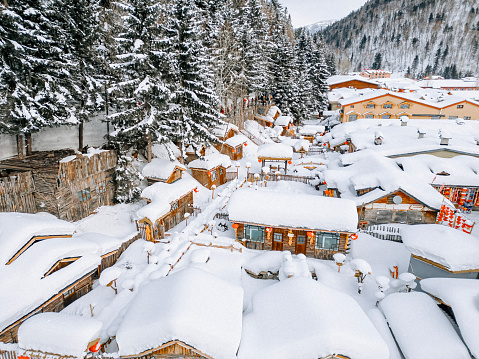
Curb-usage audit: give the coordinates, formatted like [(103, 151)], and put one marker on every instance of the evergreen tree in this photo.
[(31, 70), (320, 72), (188, 75), (377, 61), (301, 107)]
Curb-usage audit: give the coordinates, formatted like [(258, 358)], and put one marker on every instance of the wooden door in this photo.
[(300, 244), (277, 242)]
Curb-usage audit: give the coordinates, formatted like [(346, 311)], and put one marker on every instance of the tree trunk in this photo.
[(20, 146), (80, 136), (148, 149), (28, 140)]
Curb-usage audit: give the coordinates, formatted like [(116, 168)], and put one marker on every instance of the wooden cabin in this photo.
[(225, 131), (161, 170), (210, 170), (312, 225), (275, 152), (48, 276), (397, 207), (309, 132), (233, 147), (70, 186), (286, 123), (357, 82), (167, 205)]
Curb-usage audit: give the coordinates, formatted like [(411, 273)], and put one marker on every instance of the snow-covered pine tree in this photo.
[(188, 74), (301, 107), (78, 40), (319, 73), (31, 71)]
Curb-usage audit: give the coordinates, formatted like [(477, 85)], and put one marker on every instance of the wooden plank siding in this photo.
[(309, 249), (17, 193), (172, 349), (68, 294), (202, 176)]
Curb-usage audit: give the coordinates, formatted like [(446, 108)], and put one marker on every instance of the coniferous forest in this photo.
[(157, 71)]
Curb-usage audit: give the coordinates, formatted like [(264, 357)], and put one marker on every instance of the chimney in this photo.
[(378, 138), (421, 132), (404, 120), (444, 137)]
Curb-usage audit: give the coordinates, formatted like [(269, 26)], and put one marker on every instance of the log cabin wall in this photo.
[(17, 193), (206, 180), (409, 211), (177, 214), (175, 350)]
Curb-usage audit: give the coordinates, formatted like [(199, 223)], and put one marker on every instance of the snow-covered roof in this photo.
[(161, 168), (275, 151), (337, 79), (446, 246), (92, 151), (437, 99), (296, 144), (200, 309), (223, 129), (343, 92), (461, 295), (368, 169), (404, 140), (458, 171), (17, 229), (273, 111), (162, 194), (209, 162), (26, 273), (420, 328), (283, 121), (302, 318), (56, 333), (236, 141), (449, 83), (311, 130), (166, 151), (291, 210)]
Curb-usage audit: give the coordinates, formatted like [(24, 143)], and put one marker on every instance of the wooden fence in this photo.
[(8, 354), (16, 193), (252, 137), (281, 177), (387, 233), (315, 150)]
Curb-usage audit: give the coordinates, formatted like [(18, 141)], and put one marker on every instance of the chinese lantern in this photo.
[(209, 173), (289, 162), (310, 234), (139, 103), (245, 144), (353, 236), (269, 229), (196, 190), (95, 347), (325, 144), (233, 150), (259, 160), (23, 357), (235, 227)]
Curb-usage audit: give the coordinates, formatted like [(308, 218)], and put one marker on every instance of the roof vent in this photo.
[(445, 137), (421, 132)]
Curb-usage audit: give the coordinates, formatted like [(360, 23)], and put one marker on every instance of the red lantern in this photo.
[(95, 347), (23, 357), (245, 144), (259, 160), (353, 236), (269, 229), (235, 225), (196, 190), (233, 150), (310, 234), (209, 173), (139, 103), (289, 162), (325, 144)]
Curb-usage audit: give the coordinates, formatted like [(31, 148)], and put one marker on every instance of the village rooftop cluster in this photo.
[(348, 235)]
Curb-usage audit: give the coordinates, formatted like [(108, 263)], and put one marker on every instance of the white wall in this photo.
[(8, 146)]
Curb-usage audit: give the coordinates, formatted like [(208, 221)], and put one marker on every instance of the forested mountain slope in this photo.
[(419, 36)]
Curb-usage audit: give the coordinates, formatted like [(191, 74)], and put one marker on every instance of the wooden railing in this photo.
[(384, 232), (252, 137), (282, 177)]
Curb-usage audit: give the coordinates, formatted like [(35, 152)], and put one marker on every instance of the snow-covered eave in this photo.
[(167, 344), (35, 306), (433, 148), (423, 258), (209, 169), (385, 194), (291, 227)]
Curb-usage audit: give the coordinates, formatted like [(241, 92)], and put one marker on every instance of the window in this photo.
[(352, 106), (301, 240), (369, 116), (370, 105), (467, 117), (353, 117), (69, 292), (84, 195), (452, 117), (213, 175), (327, 241), (100, 187), (388, 105), (174, 205), (386, 116), (254, 233), (460, 106), (278, 237), (404, 105), (239, 149), (221, 171)]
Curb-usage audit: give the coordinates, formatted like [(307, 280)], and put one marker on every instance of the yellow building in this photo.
[(383, 104)]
